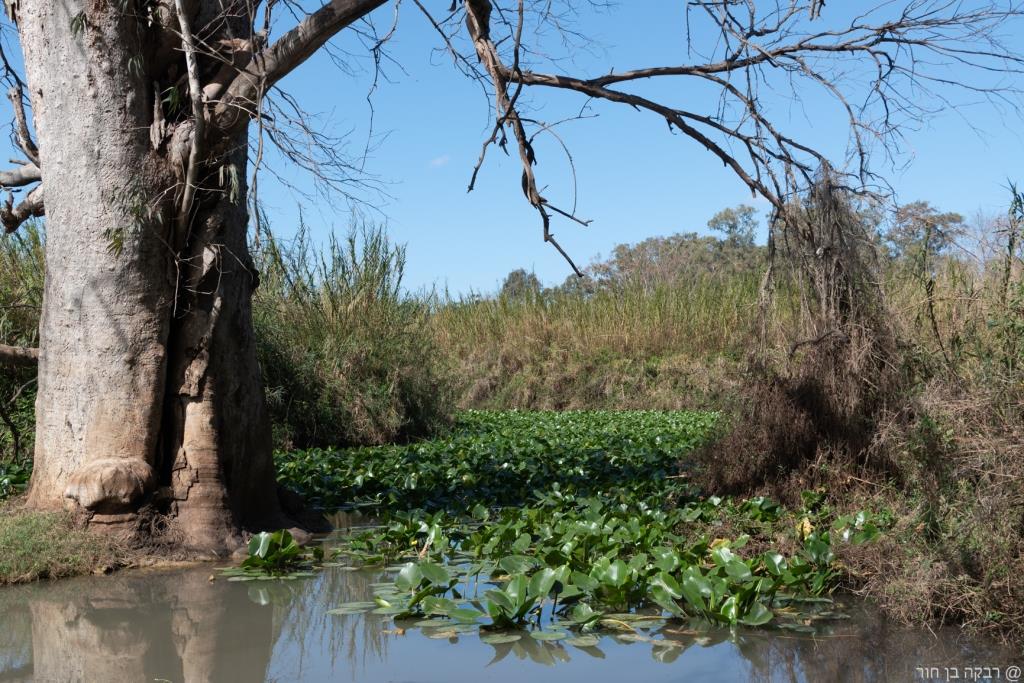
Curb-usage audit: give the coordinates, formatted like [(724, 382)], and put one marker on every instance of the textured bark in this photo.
[(106, 313), (220, 431), (149, 390)]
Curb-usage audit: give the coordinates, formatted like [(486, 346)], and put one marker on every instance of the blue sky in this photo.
[(635, 179)]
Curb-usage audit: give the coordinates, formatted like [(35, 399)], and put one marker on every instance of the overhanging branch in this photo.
[(289, 51)]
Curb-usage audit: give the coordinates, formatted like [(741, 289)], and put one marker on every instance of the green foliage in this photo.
[(78, 24), (346, 355), (506, 458), (568, 563), (275, 554), (14, 477), (172, 97), (677, 259), (920, 231), (21, 296), (738, 225), (570, 521), (520, 284)]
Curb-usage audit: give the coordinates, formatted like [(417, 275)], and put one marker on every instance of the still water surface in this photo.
[(178, 625)]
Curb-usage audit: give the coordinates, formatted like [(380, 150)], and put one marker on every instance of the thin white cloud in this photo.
[(440, 161)]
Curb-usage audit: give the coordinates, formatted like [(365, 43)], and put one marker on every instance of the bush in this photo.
[(21, 297), (347, 356)]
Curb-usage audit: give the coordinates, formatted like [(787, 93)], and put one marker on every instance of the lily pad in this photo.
[(585, 640), (549, 635)]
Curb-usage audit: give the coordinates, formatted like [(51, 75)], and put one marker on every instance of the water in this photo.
[(178, 625)]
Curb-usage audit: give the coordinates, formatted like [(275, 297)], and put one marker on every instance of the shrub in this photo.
[(21, 296), (347, 357)]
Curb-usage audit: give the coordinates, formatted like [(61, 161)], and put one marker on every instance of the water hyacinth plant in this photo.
[(568, 524)]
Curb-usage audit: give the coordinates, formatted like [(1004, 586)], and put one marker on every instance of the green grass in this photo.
[(48, 545)]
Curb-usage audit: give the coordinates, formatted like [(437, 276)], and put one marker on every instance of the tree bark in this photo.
[(149, 390)]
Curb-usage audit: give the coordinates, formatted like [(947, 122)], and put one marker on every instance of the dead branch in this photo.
[(26, 174), (885, 66), (31, 206), (18, 355), (24, 137), (478, 17)]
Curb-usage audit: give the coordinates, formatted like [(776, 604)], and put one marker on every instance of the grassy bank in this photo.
[(50, 545), (633, 347)]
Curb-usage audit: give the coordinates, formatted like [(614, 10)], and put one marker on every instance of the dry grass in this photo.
[(663, 347)]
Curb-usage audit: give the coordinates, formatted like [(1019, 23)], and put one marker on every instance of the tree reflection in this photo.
[(139, 626)]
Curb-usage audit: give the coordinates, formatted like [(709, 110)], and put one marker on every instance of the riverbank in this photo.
[(51, 545)]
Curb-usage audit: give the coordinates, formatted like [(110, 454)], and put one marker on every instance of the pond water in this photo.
[(181, 625)]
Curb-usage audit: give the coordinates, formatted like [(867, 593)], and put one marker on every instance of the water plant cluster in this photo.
[(568, 566), (276, 555), (502, 458), (563, 525)]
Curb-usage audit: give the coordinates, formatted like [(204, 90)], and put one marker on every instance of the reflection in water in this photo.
[(180, 626), (135, 626)]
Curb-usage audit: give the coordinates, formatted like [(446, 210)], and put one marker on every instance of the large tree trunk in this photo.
[(149, 391)]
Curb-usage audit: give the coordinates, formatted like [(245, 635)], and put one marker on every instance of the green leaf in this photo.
[(464, 614), (434, 573), (617, 574), (516, 564), (584, 614), (730, 610), (259, 544), (775, 563), (499, 603), (668, 582), (585, 582), (409, 577), (522, 543), (542, 582), (738, 570), (549, 635), (663, 599), (757, 615)]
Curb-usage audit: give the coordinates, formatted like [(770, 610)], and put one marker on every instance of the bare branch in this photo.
[(13, 216), (886, 66), (289, 51), (26, 174), (478, 17), (25, 142)]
